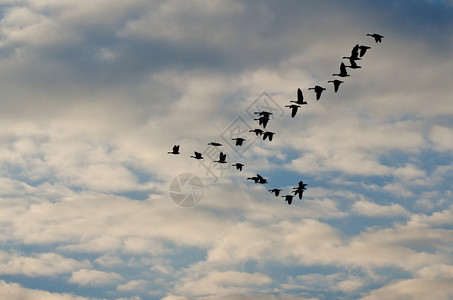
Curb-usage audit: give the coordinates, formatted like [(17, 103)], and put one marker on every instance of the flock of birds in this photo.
[(357, 52)]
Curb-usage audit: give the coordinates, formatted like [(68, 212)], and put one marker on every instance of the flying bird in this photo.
[(263, 113), (299, 190), (363, 50), (353, 65), (197, 155), (268, 134), (257, 131), (175, 150), (239, 141), (263, 120), (288, 198), (275, 191), (343, 72), (258, 179), (222, 158), (214, 144), (336, 84), (300, 98), (377, 37), (294, 108), (354, 53), (238, 166), (318, 90)]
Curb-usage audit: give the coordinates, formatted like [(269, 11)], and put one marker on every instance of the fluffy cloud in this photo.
[(87, 277)]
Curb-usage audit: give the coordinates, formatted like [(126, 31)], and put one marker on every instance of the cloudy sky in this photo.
[(93, 94)]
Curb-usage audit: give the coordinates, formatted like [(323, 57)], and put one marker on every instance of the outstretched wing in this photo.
[(300, 96)]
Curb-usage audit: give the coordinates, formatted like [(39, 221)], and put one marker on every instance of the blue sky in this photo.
[(94, 94)]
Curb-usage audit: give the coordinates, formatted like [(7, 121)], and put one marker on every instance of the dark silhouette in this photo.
[(336, 84), (175, 150), (300, 98), (363, 50), (288, 198), (299, 190), (214, 144), (238, 166), (257, 131), (263, 113), (318, 90), (258, 179), (354, 53), (222, 158), (353, 64), (268, 134), (275, 191), (239, 141), (343, 72), (294, 108), (377, 37), (263, 120), (197, 155)]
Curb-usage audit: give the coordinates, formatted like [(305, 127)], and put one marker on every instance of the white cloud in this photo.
[(86, 277), (133, 285), (14, 291), (371, 209)]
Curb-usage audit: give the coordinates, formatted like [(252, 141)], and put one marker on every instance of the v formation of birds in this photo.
[(263, 117)]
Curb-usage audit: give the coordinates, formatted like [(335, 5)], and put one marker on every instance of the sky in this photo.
[(93, 94)]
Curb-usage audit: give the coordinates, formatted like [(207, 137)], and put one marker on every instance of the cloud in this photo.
[(86, 277), (14, 291), (371, 209), (133, 285)]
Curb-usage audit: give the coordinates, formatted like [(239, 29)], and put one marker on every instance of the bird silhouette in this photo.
[(222, 158), (353, 64), (363, 50), (294, 108), (263, 120), (214, 144), (254, 178), (318, 90), (275, 191), (299, 190), (343, 72), (175, 150), (377, 37), (354, 53), (263, 113), (336, 84), (261, 179), (239, 141), (257, 131), (288, 198), (300, 98), (197, 155), (268, 134), (238, 166)]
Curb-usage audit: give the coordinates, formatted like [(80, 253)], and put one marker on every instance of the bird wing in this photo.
[(300, 96), (175, 148)]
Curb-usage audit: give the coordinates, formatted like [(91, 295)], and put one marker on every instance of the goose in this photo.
[(263, 120), (257, 131), (238, 166), (377, 37), (175, 150), (261, 180), (263, 113), (239, 141), (353, 64), (363, 49), (197, 155), (288, 198), (318, 90), (214, 144), (299, 190), (294, 108), (300, 98), (254, 178), (275, 191), (268, 134), (336, 84), (343, 72), (222, 158), (354, 53)]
